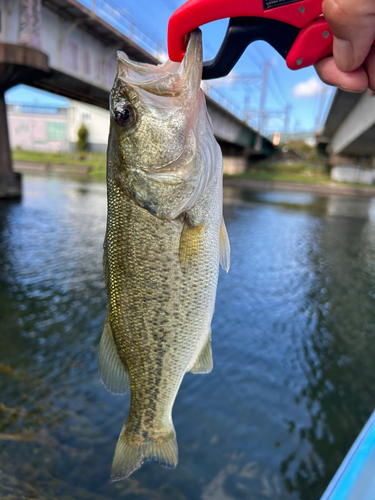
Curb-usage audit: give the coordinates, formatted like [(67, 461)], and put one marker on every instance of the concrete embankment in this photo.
[(24, 166), (323, 189), (237, 182)]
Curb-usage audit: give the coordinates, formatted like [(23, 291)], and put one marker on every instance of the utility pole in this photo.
[(246, 108), (288, 109), (263, 97), (319, 114)]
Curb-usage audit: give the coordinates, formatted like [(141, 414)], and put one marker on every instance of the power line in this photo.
[(318, 119), (274, 77), (168, 4), (287, 117), (263, 96), (260, 53), (277, 86), (283, 98), (252, 59), (327, 104), (280, 83), (237, 78)]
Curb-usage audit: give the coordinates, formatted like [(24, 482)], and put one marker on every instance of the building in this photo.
[(38, 128), (55, 128), (97, 122), (51, 128)]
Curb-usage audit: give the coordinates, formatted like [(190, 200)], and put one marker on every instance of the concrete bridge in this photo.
[(350, 126), (67, 48)]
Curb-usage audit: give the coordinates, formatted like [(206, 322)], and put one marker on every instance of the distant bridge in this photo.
[(67, 48), (350, 126)]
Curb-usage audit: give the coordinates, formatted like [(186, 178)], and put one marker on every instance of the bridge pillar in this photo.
[(10, 182), (18, 64)]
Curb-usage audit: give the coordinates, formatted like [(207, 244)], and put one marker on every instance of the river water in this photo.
[(293, 342)]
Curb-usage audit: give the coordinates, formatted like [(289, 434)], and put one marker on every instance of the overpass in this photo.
[(350, 126), (68, 48)]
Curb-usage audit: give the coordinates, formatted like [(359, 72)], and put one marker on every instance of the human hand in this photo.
[(352, 67)]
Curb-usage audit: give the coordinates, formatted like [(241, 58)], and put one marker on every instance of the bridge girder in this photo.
[(76, 60)]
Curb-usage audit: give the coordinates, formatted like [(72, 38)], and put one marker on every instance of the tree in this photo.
[(82, 139)]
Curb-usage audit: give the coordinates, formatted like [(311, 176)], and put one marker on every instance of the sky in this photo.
[(301, 89)]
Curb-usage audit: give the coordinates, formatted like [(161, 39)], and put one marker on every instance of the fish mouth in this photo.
[(168, 79)]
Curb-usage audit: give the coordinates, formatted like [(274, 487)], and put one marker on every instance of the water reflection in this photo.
[(339, 351), (334, 205), (293, 342)]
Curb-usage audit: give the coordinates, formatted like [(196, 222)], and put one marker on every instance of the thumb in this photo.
[(353, 26)]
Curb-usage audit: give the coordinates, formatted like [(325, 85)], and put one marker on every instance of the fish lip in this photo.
[(154, 74)]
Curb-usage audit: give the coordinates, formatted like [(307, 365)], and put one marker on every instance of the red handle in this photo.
[(313, 43), (195, 13)]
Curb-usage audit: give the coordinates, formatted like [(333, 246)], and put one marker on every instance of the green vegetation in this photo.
[(284, 177), (305, 173), (294, 161), (266, 170), (287, 172), (95, 162), (82, 135)]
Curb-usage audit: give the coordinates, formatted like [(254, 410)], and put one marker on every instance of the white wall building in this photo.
[(41, 128), (96, 120)]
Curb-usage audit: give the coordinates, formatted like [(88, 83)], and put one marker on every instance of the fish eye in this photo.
[(125, 116)]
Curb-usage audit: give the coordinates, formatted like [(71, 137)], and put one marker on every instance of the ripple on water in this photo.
[(293, 342)]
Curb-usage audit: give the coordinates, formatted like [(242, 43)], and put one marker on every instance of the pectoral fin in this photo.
[(204, 363), (191, 244), (224, 247), (112, 371)]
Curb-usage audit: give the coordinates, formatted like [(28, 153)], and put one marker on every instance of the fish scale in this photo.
[(165, 236), (180, 292)]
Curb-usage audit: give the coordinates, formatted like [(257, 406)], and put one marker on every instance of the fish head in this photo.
[(158, 115)]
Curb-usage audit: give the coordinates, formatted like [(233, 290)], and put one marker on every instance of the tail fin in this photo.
[(131, 451)]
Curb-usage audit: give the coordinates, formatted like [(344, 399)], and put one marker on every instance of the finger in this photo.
[(353, 26), (329, 73), (369, 66)]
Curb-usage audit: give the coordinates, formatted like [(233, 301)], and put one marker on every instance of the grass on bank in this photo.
[(285, 172), (97, 161), (303, 172)]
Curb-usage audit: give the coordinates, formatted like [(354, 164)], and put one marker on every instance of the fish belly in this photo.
[(159, 311)]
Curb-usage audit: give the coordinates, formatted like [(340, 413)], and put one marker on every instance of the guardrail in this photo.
[(114, 15)]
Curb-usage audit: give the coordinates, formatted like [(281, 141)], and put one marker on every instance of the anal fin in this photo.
[(112, 372), (204, 362)]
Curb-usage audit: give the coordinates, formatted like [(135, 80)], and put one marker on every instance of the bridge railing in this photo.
[(116, 16), (30, 23), (113, 14)]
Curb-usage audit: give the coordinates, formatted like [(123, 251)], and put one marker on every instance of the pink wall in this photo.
[(37, 132)]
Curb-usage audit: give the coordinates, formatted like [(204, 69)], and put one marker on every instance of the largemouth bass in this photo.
[(165, 236)]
